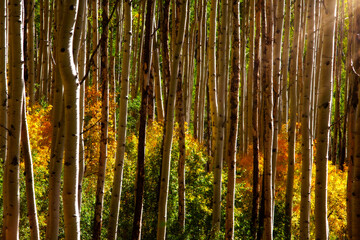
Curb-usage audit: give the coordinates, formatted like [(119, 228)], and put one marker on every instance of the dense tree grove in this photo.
[(179, 119)]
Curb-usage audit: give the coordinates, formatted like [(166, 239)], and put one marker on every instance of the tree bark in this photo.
[(104, 123), (219, 100), (306, 129), (3, 83), (121, 140), (293, 83), (95, 37), (169, 124), (145, 74), (29, 178), (234, 103), (268, 119), (323, 121), (255, 122), (72, 113)]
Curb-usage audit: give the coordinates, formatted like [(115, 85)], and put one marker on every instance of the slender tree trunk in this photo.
[(145, 74), (306, 126), (121, 134), (250, 77), (45, 76), (268, 120), (234, 103), (57, 144), (278, 30), (255, 121), (95, 37), (72, 114), (180, 110), (339, 52), (293, 83), (323, 121), (81, 70), (350, 112), (158, 86), (104, 123), (29, 175), (219, 102), (3, 83), (169, 124), (30, 54), (285, 64), (212, 73)]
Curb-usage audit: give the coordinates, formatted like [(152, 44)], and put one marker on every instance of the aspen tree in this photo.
[(306, 126), (268, 119), (46, 52), (15, 98), (285, 64), (219, 119), (141, 32), (250, 77), (3, 83), (95, 37), (242, 123), (339, 52), (104, 122), (233, 105), (278, 30), (166, 70), (355, 187), (197, 112), (121, 136), (293, 83), (81, 65), (145, 74), (40, 50), (30, 51), (29, 178), (157, 83), (255, 121), (212, 72), (352, 97), (169, 122), (180, 114), (72, 113), (323, 118), (57, 144)]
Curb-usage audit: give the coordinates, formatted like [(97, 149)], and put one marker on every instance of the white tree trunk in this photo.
[(72, 125)]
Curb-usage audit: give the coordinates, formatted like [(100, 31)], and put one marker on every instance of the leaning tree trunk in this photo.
[(72, 113), (121, 140), (29, 178), (169, 123), (306, 126), (17, 85), (145, 75), (323, 119)]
